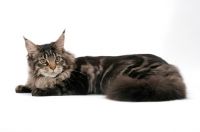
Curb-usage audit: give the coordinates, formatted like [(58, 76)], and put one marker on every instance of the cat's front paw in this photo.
[(22, 89), (46, 92)]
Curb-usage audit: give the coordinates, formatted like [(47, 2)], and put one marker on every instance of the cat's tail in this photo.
[(157, 88)]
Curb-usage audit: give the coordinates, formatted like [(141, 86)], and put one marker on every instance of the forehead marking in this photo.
[(54, 54), (46, 54)]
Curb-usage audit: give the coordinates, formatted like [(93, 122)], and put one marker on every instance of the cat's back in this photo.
[(106, 61), (100, 69)]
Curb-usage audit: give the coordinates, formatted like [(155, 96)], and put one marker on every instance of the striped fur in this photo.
[(142, 77)]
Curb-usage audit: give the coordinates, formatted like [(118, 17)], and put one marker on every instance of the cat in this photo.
[(138, 77)]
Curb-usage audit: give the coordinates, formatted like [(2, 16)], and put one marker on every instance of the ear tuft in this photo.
[(25, 38)]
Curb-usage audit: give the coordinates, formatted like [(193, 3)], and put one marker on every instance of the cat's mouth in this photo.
[(51, 74)]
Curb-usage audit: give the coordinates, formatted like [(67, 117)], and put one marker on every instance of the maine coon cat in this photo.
[(141, 77)]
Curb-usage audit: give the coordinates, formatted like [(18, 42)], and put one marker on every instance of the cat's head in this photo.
[(49, 60)]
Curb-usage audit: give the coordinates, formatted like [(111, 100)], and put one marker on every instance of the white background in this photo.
[(167, 28)]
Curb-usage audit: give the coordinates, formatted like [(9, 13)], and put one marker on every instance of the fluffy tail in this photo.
[(157, 88)]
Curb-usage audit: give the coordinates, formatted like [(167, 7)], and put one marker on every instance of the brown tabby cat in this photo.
[(142, 77)]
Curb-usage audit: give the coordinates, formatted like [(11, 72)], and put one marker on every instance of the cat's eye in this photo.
[(57, 58), (43, 61)]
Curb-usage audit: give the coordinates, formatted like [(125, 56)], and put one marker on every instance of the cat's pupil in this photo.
[(43, 61), (57, 58)]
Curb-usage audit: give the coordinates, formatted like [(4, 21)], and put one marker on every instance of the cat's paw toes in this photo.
[(22, 89), (46, 92)]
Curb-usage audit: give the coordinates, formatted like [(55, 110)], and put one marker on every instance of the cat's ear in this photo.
[(31, 48), (59, 44)]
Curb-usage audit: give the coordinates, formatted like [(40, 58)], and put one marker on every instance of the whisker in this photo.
[(73, 74), (68, 82)]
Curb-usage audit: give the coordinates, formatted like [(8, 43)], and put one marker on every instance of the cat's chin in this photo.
[(52, 75)]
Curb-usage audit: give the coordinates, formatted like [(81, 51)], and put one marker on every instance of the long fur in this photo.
[(140, 77), (158, 88)]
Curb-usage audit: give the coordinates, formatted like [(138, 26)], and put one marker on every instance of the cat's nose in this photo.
[(52, 66)]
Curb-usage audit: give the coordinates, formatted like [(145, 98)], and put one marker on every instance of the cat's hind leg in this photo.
[(22, 89)]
